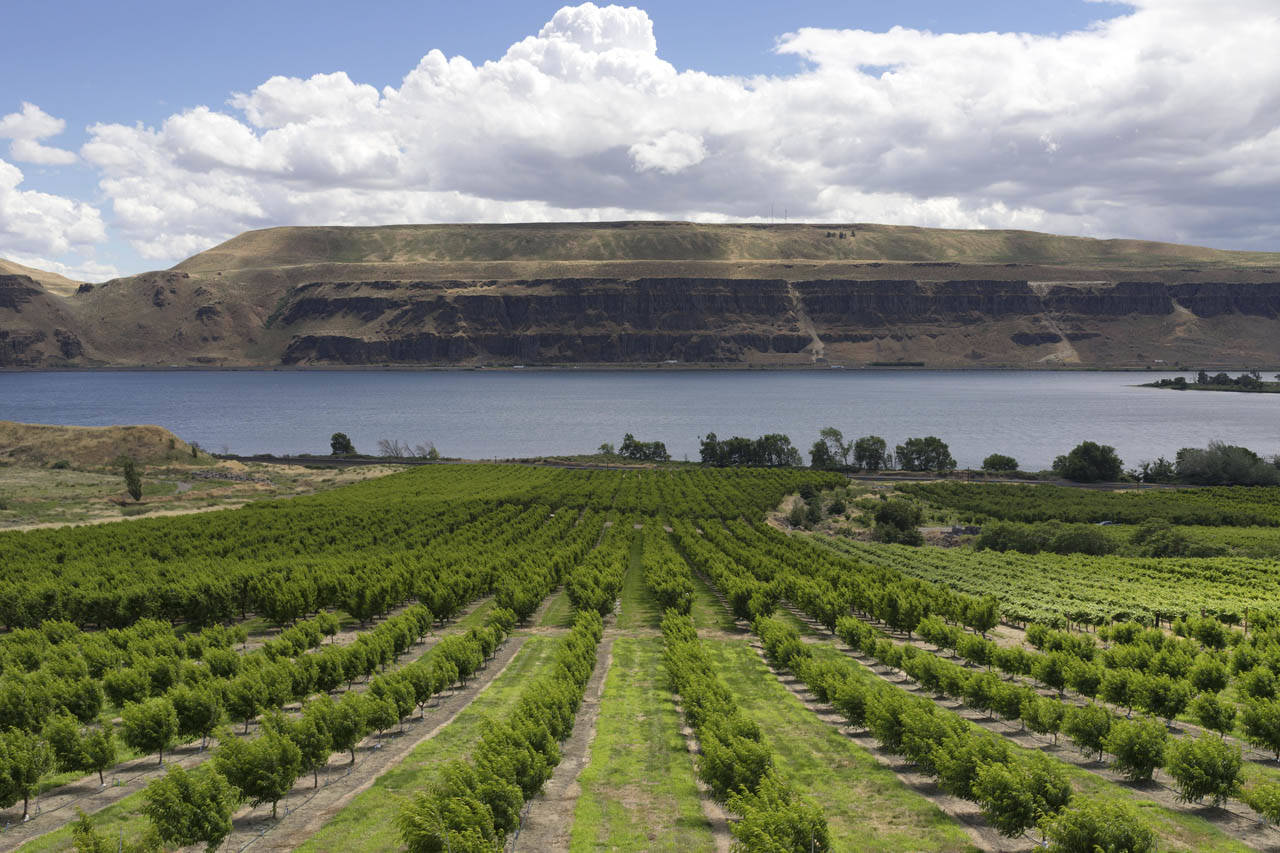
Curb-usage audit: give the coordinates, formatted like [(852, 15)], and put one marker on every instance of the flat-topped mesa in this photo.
[(639, 293), (688, 241)]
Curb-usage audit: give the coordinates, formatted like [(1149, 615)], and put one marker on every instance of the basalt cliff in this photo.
[(650, 293)]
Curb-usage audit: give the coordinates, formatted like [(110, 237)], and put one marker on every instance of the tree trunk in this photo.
[(101, 781), (160, 756), (315, 772), (26, 798)]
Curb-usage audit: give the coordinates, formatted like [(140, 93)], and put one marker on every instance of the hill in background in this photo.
[(51, 281), (643, 293), (89, 447), (683, 241)]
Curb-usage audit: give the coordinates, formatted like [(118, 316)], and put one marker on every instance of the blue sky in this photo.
[(884, 149)]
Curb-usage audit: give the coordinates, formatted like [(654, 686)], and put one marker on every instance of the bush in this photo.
[(1091, 826), (1089, 462), (1265, 800), (775, 818), (1088, 727), (999, 462), (1138, 747), (1261, 722), (1158, 538), (1214, 713), (191, 808), (60, 465), (150, 726), (1204, 767), (898, 521), (1055, 537), (1225, 465)]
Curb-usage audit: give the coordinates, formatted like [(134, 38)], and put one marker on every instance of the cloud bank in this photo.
[(1162, 123)]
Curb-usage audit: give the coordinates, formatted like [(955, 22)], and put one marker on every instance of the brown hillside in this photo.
[(642, 293), (50, 281), (88, 447)]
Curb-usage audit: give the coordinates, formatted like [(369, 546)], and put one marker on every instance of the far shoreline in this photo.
[(647, 367)]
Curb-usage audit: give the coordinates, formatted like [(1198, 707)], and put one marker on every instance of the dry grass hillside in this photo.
[(683, 241), (644, 293), (50, 281), (88, 447)]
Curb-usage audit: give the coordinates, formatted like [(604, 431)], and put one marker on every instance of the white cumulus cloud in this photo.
[(26, 128), (672, 152), (36, 223), (1161, 123)]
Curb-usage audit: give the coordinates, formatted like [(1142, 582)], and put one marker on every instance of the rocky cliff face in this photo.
[(35, 330), (208, 318), (970, 322)]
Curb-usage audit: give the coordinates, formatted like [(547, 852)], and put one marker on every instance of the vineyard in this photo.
[(1235, 506), (504, 657)]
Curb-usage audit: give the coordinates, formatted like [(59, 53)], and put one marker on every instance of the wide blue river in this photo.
[(1033, 416)]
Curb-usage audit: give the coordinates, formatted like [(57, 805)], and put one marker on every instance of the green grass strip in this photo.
[(559, 612), (638, 789), (637, 608), (866, 805)]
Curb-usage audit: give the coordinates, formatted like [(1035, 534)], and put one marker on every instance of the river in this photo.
[(1030, 415)]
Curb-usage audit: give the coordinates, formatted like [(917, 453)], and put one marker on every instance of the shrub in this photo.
[(1214, 713), (1091, 826), (191, 808), (1138, 747), (898, 521), (1225, 465), (1204, 767), (1089, 462), (999, 462), (150, 726), (1088, 727)]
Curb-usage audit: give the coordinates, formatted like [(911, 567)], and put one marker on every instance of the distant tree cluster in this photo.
[(832, 453), (769, 451), (643, 451), (1218, 464), (1225, 464), (1251, 380), (871, 453), (1248, 381), (393, 449)]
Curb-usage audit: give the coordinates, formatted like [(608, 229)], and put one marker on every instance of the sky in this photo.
[(136, 133)]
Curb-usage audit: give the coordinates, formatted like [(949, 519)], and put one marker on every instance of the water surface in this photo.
[(1031, 415)]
